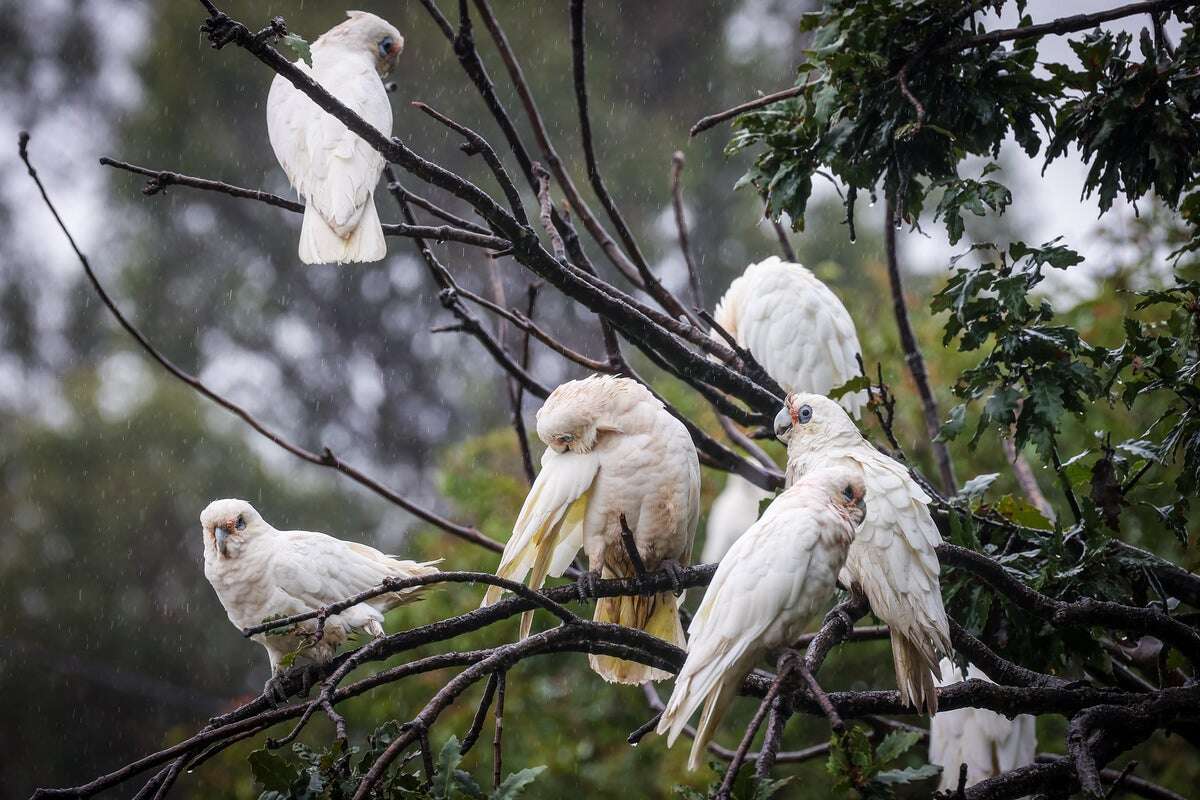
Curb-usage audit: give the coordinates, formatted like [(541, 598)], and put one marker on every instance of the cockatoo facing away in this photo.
[(770, 584), (259, 572), (612, 449), (795, 327), (893, 559), (333, 169), (731, 514), (987, 742)]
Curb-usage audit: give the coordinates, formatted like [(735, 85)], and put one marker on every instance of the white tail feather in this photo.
[(320, 244)]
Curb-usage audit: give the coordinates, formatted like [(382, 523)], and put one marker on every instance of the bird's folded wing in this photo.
[(318, 570), (894, 556), (288, 113), (760, 579), (549, 529), (343, 167)]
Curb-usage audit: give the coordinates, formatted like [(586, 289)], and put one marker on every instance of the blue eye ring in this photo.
[(804, 415), (240, 524), (385, 47)]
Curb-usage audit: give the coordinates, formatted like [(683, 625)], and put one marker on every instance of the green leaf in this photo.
[(909, 774), (977, 486), (298, 46), (271, 772), (858, 384), (896, 744), (768, 789), (447, 761), (953, 425), (514, 785)]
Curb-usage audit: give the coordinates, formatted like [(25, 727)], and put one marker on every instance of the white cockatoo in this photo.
[(893, 560), (731, 514), (770, 585), (612, 449), (802, 335), (259, 573), (795, 327), (333, 169), (987, 742)]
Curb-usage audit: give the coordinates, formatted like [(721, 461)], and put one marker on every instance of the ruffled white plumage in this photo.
[(630, 457), (281, 573), (795, 327), (987, 742)]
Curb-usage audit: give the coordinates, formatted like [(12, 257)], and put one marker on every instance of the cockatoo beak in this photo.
[(222, 535), (783, 424)]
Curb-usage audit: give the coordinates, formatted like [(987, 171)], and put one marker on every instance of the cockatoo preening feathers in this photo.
[(331, 167), (612, 449), (987, 742), (259, 573), (770, 584), (893, 560)]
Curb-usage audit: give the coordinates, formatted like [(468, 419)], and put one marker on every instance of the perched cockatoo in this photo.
[(612, 449), (770, 584), (731, 514), (893, 559), (795, 327), (987, 742), (801, 334), (333, 169), (259, 573)]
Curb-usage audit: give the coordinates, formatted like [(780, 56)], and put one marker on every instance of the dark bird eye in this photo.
[(848, 492), (385, 46), (805, 414), (241, 523)]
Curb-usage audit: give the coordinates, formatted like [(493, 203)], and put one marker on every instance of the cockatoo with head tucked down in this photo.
[(893, 559), (802, 335), (612, 449), (333, 169), (770, 584), (259, 573), (987, 742)]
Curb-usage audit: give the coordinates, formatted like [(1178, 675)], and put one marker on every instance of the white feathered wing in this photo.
[(772, 581)]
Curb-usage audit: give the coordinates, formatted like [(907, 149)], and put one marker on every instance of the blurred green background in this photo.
[(111, 642)]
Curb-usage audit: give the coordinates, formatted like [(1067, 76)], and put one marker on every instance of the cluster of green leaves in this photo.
[(872, 772), (1036, 370), (853, 119), (334, 774), (1134, 119)]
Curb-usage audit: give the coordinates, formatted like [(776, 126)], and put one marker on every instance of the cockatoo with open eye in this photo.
[(795, 327), (770, 584), (802, 335), (731, 514), (612, 449), (333, 169), (893, 559), (987, 742), (259, 572)]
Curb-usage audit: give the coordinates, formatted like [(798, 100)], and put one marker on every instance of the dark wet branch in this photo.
[(712, 120)]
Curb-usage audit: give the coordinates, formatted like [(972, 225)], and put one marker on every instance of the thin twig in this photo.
[(677, 162), (627, 539), (716, 119), (498, 730)]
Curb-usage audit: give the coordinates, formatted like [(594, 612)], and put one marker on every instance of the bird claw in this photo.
[(585, 586), (789, 660), (275, 691), (221, 30), (674, 571), (841, 616)]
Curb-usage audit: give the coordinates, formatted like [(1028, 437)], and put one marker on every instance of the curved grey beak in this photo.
[(783, 424), (221, 536)]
